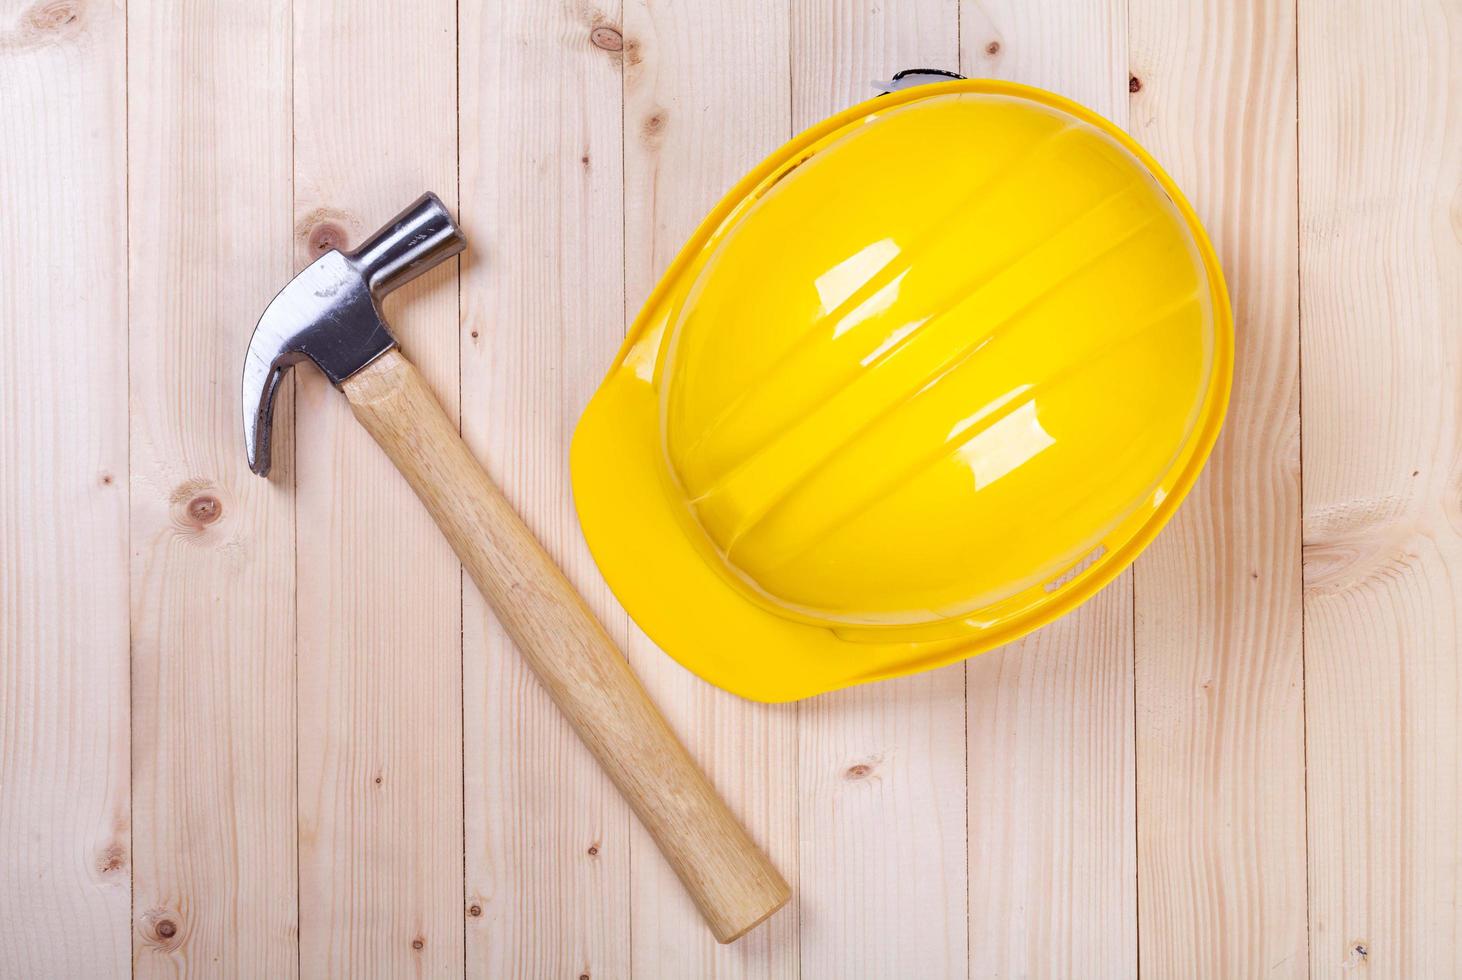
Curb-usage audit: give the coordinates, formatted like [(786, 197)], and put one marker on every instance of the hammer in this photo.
[(330, 314)]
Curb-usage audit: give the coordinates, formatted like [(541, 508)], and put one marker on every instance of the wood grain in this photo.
[(1220, 739), (1052, 876), (706, 97), (881, 769), (380, 673), (547, 835), (1381, 267), (213, 545), (65, 854), (1052, 808)]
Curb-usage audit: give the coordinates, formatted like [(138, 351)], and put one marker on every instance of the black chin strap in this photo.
[(910, 77)]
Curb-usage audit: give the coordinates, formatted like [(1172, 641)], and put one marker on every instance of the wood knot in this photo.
[(606, 39), (323, 229), (593, 850), (160, 927), (112, 860), (993, 48), (46, 22), (326, 236), (652, 130), (1134, 84), (204, 509), (418, 943), (53, 16), (474, 910), (1360, 544), (197, 505), (860, 771), (106, 479), (632, 53)]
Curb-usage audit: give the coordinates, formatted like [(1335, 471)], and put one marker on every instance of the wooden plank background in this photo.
[(255, 728)]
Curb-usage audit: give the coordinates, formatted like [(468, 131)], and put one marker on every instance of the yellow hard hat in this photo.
[(926, 379)]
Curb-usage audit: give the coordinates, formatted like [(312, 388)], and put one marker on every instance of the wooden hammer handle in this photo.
[(732, 882)]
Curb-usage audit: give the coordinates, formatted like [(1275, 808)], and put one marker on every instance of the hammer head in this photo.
[(331, 314)]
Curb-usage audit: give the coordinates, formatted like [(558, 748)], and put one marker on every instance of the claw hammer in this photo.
[(330, 313)]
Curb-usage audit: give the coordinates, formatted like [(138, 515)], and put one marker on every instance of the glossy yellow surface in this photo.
[(926, 379)]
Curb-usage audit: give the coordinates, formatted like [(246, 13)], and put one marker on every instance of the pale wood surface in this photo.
[(65, 834), (1381, 267), (213, 587), (1201, 773), (1220, 676)]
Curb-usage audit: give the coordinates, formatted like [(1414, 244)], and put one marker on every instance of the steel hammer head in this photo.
[(331, 314)]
